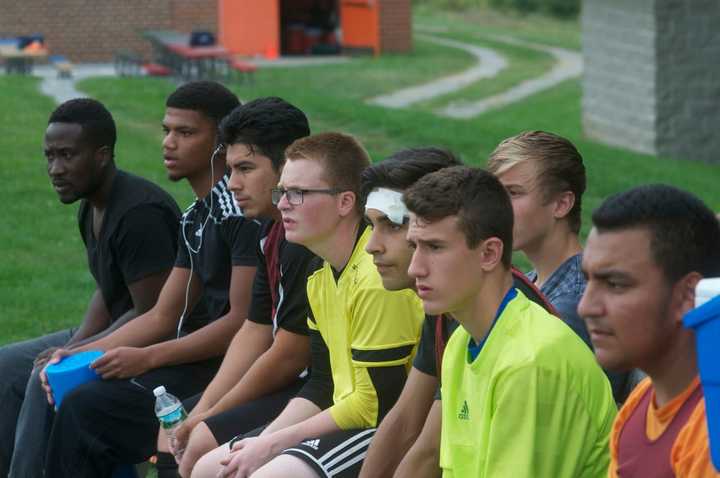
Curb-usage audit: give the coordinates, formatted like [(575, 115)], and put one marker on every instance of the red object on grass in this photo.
[(155, 69)]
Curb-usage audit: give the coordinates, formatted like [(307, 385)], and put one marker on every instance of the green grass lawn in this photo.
[(44, 283)]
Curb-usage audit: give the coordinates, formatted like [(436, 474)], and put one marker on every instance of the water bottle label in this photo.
[(172, 418)]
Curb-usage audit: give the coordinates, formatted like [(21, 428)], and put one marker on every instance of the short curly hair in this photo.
[(403, 168), (97, 123), (208, 97), (268, 124), (475, 196), (684, 232)]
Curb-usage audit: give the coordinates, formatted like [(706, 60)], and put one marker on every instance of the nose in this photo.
[(374, 244), (417, 268), (56, 167), (283, 204), (589, 305), (169, 141), (234, 183)]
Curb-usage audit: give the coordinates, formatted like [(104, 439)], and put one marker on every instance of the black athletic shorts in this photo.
[(337, 455), (249, 416)]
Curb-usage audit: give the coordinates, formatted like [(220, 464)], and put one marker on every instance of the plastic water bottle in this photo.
[(171, 413)]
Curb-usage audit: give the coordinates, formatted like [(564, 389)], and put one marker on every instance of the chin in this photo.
[(390, 283), (174, 177), (433, 308)]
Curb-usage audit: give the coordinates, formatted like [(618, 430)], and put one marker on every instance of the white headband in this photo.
[(388, 202)]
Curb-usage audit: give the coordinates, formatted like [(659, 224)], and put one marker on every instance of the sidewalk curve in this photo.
[(568, 65), (489, 64)]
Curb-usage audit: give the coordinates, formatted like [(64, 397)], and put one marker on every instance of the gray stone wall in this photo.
[(652, 75)]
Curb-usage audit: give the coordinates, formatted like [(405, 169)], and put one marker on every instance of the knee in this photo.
[(201, 442), (208, 466)]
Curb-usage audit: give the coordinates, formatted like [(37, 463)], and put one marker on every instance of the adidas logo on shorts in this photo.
[(314, 444)]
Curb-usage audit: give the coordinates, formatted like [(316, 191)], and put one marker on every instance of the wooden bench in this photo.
[(245, 70), (127, 63)]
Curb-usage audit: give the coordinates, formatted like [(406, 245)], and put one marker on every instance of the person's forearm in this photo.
[(298, 410), (144, 330), (423, 458), (272, 371), (389, 445), (205, 343), (315, 426), (76, 341), (247, 345), (97, 318)]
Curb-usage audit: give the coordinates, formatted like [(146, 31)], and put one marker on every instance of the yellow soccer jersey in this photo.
[(533, 403), (363, 325)]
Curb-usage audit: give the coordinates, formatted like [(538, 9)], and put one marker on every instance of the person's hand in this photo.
[(55, 357), (182, 435), (42, 358), (246, 457), (123, 362)]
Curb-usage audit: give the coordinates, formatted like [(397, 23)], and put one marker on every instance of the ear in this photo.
[(683, 295), (491, 252), (564, 203), (346, 203), (103, 156)]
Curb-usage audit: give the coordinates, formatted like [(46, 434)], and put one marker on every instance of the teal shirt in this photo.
[(533, 403)]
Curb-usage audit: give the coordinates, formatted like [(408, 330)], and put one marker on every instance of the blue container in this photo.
[(71, 372), (705, 320)]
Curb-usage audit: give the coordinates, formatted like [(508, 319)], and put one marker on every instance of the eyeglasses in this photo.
[(295, 195)]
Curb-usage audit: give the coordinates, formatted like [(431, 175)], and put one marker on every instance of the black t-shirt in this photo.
[(426, 357), (210, 243), (138, 238), (279, 295)]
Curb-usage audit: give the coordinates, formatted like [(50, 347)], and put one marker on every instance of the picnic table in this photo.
[(172, 50), (20, 61)]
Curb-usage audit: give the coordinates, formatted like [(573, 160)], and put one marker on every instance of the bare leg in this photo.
[(284, 466)]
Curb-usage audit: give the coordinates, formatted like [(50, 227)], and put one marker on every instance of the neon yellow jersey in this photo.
[(534, 403), (363, 325)]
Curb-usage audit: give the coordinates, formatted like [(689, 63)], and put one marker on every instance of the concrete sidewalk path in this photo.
[(489, 63), (63, 89), (568, 64)]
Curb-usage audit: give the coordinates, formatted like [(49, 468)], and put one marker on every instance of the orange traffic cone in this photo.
[(271, 52)]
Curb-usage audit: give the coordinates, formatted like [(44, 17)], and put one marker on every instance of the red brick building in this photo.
[(92, 30)]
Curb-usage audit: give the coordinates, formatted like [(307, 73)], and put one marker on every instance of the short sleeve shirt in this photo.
[(138, 238), (364, 326), (279, 295), (214, 237), (427, 355), (534, 402)]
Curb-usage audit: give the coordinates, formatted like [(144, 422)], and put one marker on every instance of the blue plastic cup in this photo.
[(70, 372), (75, 370), (705, 321)]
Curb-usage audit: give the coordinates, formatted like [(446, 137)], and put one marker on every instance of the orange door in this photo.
[(360, 24), (250, 27)]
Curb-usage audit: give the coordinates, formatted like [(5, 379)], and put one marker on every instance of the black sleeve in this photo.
[(183, 255), (388, 383), (319, 388), (261, 302), (241, 235), (144, 242), (298, 263), (425, 358)]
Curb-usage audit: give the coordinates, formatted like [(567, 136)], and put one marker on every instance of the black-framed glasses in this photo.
[(295, 195)]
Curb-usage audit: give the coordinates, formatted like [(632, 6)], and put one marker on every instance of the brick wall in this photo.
[(91, 30), (651, 75), (395, 26)]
